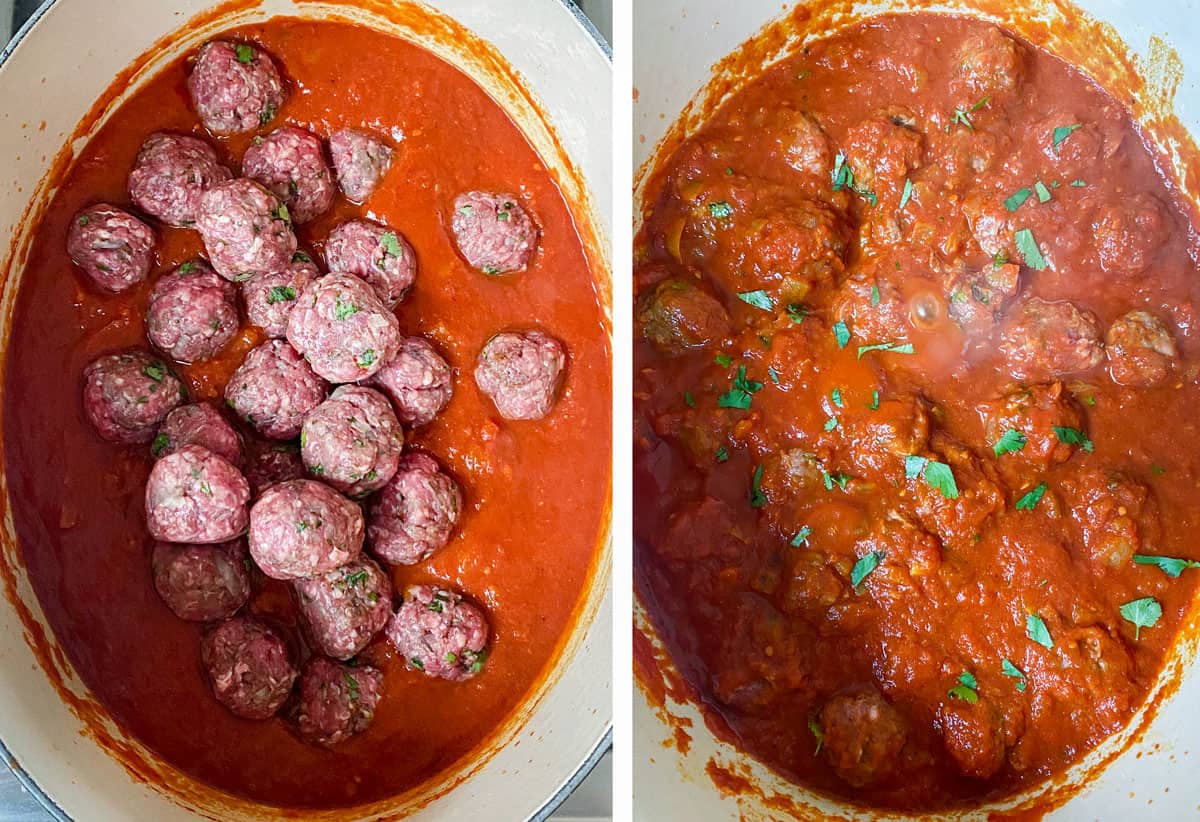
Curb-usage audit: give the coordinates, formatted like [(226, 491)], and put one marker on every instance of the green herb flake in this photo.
[(688, 399), (772, 374), (1073, 436), (417, 663), (343, 309), (1010, 442), (722, 454), (155, 371), (1143, 613), (351, 685), (831, 423), (1030, 500), (801, 537), (874, 406), (875, 296), (162, 442), (245, 54), (721, 210), (267, 114), (1017, 199), (280, 294), (757, 498), (1043, 193), (1078, 184), (839, 479), (1061, 133), (1035, 629), (891, 347), (814, 728), (966, 689), (796, 312), (906, 195), (1008, 669), (1028, 248), (914, 465), (281, 213), (758, 299), (301, 257), (367, 358), (940, 477), (836, 397), (83, 219), (741, 394), (391, 244), (186, 268), (841, 333), (863, 568), (1170, 566), (723, 360)]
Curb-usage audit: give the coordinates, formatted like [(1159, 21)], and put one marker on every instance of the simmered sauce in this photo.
[(898, 437), (535, 492)]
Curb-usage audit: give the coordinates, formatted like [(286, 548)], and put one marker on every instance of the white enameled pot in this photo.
[(57, 67), (1147, 772)]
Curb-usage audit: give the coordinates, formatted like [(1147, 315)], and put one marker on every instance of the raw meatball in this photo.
[(245, 229), (1140, 350), (336, 701), (270, 297), (193, 495), (192, 313), (375, 253), (417, 380), (438, 633), (361, 160), (198, 424), (1047, 340), (415, 513), (521, 372), (249, 667), (272, 462), (679, 314), (302, 528), (201, 583), (342, 329), (169, 175), (344, 609), (234, 87), (112, 247), (273, 389), (352, 440), (290, 163), (126, 396), (1129, 233), (493, 232), (862, 736)]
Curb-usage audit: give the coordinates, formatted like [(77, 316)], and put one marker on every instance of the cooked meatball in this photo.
[(273, 389), (1114, 515), (192, 313), (976, 300), (414, 515), (791, 137), (335, 701), (169, 175), (352, 440), (290, 163), (272, 462), (679, 314), (1045, 340), (990, 65), (245, 229), (249, 667), (439, 633), (126, 396), (193, 495), (198, 424), (991, 224), (112, 247), (375, 253), (883, 147), (1033, 412), (1140, 350), (862, 736), (974, 738), (302, 528), (201, 583), (360, 160), (1129, 233), (520, 372), (270, 297), (234, 87), (493, 232), (342, 329), (417, 380), (345, 608)]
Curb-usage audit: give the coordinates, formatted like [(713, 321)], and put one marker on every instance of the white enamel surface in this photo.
[(55, 74), (1156, 778)]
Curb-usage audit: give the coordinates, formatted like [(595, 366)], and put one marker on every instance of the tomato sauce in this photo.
[(535, 492), (901, 529)]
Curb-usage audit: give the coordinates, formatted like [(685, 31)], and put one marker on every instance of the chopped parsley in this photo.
[(301, 257), (906, 195), (155, 371), (162, 442), (874, 406), (865, 565), (245, 54), (723, 360), (1030, 500), (843, 178), (721, 210), (1143, 613), (722, 454), (1170, 566), (1073, 436), (964, 117), (893, 347), (1061, 133), (1010, 442), (1035, 629), (267, 114), (417, 663), (875, 296), (1028, 248), (757, 498), (83, 219), (281, 213), (831, 423), (814, 728), (1078, 184), (281, 294), (796, 312), (186, 268), (758, 299), (938, 475), (688, 399), (801, 537), (1043, 193), (841, 333), (741, 394), (836, 397), (1017, 199), (772, 374), (1008, 669), (966, 688), (343, 309), (366, 359), (839, 479), (391, 244), (351, 685)]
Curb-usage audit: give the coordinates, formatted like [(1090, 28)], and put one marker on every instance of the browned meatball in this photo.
[(863, 735), (1129, 233), (1140, 350), (1019, 426), (1114, 514), (974, 738), (679, 314), (883, 147), (1045, 340), (990, 64)]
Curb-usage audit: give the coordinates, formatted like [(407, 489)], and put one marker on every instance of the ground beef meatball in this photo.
[(520, 372), (352, 440), (1140, 350), (375, 253), (1130, 232), (360, 160), (201, 583), (273, 389), (414, 515), (193, 495), (884, 148), (493, 232), (290, 163), (1045, 340), (417, 380), (679, 314), (1115, 515), (974, 737), (112, 247), (126, 396), (990, 64), (342, 329), (439, 633), (198, 424), (862, 736), (249, 667), (245, 229), (790, 137), (345, 608), (192, 313), (302, 528), (270, 297), (234, 87), (1020, 426), (272, 462), (335, 701), (170, 174)]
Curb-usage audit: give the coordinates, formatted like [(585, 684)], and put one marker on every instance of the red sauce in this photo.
[(535, 492)]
